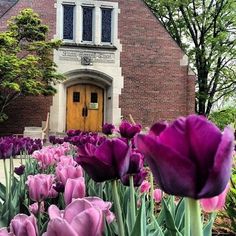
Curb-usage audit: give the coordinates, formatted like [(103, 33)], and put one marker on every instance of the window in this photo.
[(106, 25), (76, 96), (94, 97), (87, 24), (68, 20)]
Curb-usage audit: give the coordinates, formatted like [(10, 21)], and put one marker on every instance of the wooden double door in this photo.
[(84, 108)]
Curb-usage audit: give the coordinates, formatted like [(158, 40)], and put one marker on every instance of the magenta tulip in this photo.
[(74, 188), (190, 158), (39, 186), (215, 203), (108, 161), (108, 128), (128, 130), (79, 218), (23, 225)]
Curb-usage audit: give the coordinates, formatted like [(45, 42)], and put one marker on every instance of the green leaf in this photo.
[(140, 223), (2, 192)]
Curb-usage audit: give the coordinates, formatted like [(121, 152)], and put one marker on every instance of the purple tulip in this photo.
[(189, 158), (107, 129), (138, 178), (39, 186), (22, 225), (6, 149), (80, 218), (74, 188), (108, 161), (128, 130), (19, 170)]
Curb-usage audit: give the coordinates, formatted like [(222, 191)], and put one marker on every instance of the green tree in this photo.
[(26, 60), (206, 30)]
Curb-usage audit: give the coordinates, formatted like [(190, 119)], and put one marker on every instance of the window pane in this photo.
[(106, 25), (76, 96), (87, 23), (94, 97), (68, 22)]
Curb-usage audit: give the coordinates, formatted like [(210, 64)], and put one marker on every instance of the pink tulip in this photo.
[(75, 188), (39, 186), (145, 186), (22, 225), (67, 160), (68, 172), (103, 206), (45, 157), (79, 218), (214, 203), (157, 195), (4, 232), (33, 208)]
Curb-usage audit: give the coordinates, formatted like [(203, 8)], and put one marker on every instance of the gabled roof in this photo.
[(6, 5)]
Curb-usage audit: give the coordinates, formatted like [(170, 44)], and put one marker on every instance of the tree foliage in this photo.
[(26, 60), (206, 30)]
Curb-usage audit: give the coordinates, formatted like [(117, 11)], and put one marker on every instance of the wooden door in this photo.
[(84, 108)]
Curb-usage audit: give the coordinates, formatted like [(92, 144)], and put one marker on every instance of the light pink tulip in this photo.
[(68, 172), (33, 208), (67, 160), (23, 225), (145, 186), (215, 203), (45, 158), (4, 232), (75, 188), (157, 195), (39, 186), (79, 218), (103, 206)]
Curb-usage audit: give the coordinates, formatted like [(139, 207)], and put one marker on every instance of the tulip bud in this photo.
[(157, 195), (145, 186)]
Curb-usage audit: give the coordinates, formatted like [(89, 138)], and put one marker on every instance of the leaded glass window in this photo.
[(87, 23), (106, 25), (68, 20)]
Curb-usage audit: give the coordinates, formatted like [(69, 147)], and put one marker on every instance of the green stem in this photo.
[(118, 211), (6, 178), (10, 183), (39, 216), (186, 218), (132, 201), (195, 217), (151, 192)]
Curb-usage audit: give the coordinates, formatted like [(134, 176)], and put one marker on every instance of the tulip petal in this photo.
[(88, 223), (158, 128), (220, 173), (121, 152), (174, 137), (96, 169), (104, 152), (181, 173), (59, 227), (54, 212), (204, 138), (75, 208)]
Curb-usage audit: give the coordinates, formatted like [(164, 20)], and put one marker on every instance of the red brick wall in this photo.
[(29, 111), (156, 87)]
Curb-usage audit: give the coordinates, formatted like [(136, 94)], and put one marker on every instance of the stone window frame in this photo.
[(97, 21)]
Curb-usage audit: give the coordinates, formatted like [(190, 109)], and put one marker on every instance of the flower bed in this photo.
[(120, 183)]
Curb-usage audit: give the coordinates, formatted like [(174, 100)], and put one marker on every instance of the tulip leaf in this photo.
[(207, 229), (2, 192), (179, 215), (169, 220), (140, 223)]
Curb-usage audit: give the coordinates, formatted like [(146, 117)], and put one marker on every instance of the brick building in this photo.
[(118, 60)]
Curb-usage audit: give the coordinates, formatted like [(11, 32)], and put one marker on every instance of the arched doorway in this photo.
[(85, 107)]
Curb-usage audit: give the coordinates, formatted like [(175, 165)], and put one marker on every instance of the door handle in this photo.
[(83, 112), (86, 111)]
